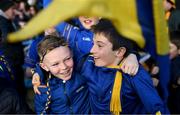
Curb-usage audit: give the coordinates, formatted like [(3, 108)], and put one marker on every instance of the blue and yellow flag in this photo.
[(154, 30), (140, 20)]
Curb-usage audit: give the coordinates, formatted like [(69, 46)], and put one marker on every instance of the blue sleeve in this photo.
[(32, 57), (64, 29), (69, 32), (40, 100), (41, 73), (148, 95)]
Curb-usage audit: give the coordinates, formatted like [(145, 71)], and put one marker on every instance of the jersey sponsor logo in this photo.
[(79, 89), (86, 39)]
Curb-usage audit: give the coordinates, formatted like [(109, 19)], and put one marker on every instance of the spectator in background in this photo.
[(7, 15), (169, 6), (174, 97), (174, 19), (14, 51), (11, 101)]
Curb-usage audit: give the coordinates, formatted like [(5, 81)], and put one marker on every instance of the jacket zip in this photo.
[(68, 99)]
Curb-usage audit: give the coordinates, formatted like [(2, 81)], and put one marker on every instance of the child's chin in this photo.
[(99, 64), (67, 78), (88, 27)]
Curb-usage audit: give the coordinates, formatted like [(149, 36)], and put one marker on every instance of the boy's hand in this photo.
[(155, 70), (36, 83), (130, 65)]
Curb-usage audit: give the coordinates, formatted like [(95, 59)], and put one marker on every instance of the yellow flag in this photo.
[(119, 11)]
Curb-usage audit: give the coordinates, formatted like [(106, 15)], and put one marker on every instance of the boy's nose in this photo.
[(92, 50), (63, 66)]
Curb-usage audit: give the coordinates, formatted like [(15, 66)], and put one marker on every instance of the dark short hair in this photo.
[(49, 43), (106, 28), (6, 4)]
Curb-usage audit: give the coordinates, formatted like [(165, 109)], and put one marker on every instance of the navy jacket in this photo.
[(137, 93), (66, 97)]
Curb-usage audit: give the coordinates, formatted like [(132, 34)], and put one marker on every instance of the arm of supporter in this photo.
[(148, 95), (37, 79), (130, 64), (32, 57), (69, 32), (63, 28), (66, 30)]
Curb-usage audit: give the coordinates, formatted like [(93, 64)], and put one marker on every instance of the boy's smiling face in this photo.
[(59, 62), (103, 53), (87, 22)]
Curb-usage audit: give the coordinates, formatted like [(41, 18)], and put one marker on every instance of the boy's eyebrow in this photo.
[(101, 42), (69, 56)]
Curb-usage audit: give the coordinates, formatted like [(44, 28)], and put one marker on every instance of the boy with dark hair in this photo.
[(120, 93)]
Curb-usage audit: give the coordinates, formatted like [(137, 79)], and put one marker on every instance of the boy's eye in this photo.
[(68, 58), (99, 45), (55, 64)]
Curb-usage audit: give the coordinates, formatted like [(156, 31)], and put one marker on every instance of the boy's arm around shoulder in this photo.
[(147, 93)]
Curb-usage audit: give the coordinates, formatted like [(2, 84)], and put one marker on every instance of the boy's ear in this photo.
[(44, 66), (120, 52)]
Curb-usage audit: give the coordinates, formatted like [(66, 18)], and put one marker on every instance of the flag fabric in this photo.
[(142, 21), (153, 26)]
